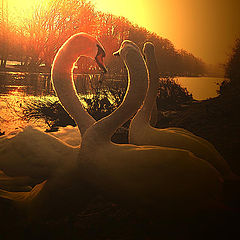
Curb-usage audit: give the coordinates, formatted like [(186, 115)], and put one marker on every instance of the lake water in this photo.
[(18, 88), (201, 87)]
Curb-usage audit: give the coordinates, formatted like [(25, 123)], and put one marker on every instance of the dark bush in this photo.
[(51, 111), (171, 94)]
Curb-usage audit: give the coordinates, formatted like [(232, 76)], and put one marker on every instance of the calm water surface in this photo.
[(18, 88), (201, 87)]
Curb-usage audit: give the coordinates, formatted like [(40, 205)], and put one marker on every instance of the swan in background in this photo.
[(62, 191), (33, 154), (142, 133), (154, 119), (158, 179)]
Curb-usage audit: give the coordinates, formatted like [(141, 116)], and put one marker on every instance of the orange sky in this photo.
[(206, 28)]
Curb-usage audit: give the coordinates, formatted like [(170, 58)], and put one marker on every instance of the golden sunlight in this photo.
[(135, 10), (19, 10), (205, 28)]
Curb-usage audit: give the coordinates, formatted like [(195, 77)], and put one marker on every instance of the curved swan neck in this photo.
[(62, 79), (135, 94), (145, 112)]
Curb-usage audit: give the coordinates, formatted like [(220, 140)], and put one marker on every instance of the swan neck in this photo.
[(145, 112), (62, 79), (133, 99)]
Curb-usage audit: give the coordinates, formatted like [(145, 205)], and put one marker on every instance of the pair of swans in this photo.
[(142, 133), (166, 179)]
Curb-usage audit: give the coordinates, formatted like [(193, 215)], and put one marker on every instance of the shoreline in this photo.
[(48, 71)]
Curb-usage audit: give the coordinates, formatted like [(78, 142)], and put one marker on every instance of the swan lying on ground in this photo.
[(63, 190), (142, 133), (29, 156), (34, 154), (14, 183), (160, 180)]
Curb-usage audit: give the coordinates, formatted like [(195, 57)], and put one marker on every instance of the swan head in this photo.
[(92, 48), (125, 47), (148, 49), (80, 44), (151, 61)]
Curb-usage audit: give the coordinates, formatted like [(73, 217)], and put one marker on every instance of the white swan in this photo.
[(69, 135), (61, 191), (161, 180), (142, 133), (35, 154), (78, 45)]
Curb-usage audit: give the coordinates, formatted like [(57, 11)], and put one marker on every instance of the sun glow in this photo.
[(135, 10), (20, 10), (205, 28)]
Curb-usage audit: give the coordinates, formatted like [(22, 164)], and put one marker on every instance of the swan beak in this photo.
[(117, 53)]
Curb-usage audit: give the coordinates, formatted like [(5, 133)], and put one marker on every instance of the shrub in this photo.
[(171, 94), (50, 110)]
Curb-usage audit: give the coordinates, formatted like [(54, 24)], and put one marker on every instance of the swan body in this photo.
[(160, 179), (33, 154), (14, 183), (142, 133), (60, 192), (69, 135)]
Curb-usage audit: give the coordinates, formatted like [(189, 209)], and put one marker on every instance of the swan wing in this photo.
[(22, 196)]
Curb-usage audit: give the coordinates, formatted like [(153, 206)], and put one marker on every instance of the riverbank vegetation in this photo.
[(34, 41), (102, 101), (232, 72)]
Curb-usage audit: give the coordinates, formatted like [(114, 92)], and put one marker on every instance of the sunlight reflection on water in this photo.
[(12, 112)]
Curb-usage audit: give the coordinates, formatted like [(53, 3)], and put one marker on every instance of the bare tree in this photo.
[(51, 25)]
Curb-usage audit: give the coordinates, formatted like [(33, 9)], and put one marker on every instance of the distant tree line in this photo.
[(232, 72), (35, 42)]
